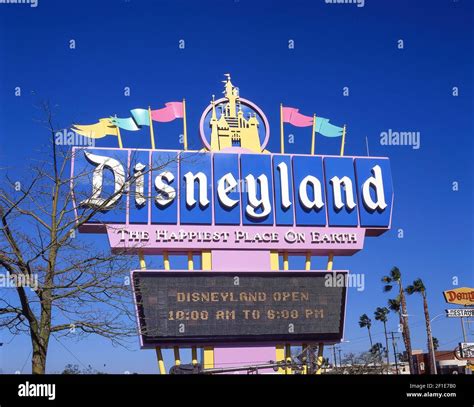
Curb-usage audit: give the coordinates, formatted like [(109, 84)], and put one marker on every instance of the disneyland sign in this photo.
[(173, 200)]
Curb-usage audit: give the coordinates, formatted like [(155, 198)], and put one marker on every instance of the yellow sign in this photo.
[(461, 296)]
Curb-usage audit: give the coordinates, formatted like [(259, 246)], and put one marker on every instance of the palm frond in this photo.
[(394, 304), (419, 285), (381, 314), (395, 274)]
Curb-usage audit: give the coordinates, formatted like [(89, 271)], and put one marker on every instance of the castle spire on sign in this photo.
[(232, 129)]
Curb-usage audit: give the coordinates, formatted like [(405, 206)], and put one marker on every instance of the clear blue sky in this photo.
[(135, 43)]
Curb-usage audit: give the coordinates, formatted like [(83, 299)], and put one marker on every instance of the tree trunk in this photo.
[(403, 330), (386, 345), (38, 360), (428, 333), (40, 343), (370, 337), (406, 329)]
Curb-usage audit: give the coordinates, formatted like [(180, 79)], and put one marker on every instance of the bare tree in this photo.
[(363, 363), (72, 286)]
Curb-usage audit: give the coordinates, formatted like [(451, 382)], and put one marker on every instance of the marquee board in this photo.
[(200, 307)]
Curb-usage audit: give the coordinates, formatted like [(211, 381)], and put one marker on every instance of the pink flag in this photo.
[(291, 115), (173, 110)]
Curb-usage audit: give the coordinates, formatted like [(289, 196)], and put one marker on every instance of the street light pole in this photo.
[(431, 345), (394, 353), (433, 356), (463, 330)]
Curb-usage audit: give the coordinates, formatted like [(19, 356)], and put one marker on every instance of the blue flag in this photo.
[(141, 117), (327, 129), (126, 124)]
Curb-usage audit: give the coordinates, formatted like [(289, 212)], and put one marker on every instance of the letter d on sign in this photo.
[(375, 191), (101, 162), (377, 184)]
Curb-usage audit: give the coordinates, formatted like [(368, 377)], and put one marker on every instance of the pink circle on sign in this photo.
[(243, 101)]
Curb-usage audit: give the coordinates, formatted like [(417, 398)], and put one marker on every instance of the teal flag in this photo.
[(141, 117), (126, 124), (327, 129)]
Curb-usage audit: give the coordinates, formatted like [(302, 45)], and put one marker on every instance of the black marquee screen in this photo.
[(216, 307)]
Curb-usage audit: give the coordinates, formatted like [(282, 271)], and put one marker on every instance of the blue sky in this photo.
[(136, 44)]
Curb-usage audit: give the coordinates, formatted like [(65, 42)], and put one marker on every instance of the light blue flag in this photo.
[(327, 129), (126, 124), (141, 117)]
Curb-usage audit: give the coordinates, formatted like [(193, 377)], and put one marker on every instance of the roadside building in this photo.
[(446, 362)]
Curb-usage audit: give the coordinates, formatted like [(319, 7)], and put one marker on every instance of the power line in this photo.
[(364, 337), (70, 352), (26, 360)]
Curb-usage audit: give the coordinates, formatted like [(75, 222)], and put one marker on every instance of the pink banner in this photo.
[(291, 115), (173, 110)]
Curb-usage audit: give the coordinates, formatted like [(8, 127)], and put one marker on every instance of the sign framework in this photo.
[(259, 205)]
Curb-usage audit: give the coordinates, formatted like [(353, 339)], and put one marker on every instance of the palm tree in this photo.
[(380, 314), (419, 288), (395, 306), (366, 322), (377, 350), (395, 278)]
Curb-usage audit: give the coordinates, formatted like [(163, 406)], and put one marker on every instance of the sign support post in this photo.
[(321, 344), (161, 362), (207, 351), (159, 355)]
